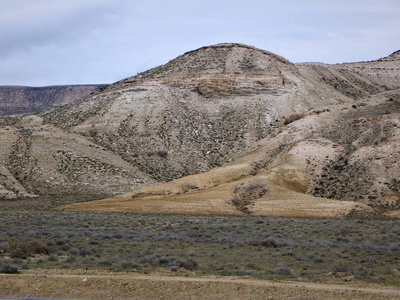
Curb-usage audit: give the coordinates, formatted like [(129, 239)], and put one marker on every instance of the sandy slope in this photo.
[(280, 202), (213, 192)]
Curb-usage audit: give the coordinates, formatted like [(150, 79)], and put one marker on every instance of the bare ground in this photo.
[(82, 285)]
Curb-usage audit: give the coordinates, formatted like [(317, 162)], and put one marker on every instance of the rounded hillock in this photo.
[(220, 58)]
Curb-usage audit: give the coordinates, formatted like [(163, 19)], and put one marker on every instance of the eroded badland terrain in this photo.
[(227, 129)]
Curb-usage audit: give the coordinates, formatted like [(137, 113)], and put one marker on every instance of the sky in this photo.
[(56, 42)]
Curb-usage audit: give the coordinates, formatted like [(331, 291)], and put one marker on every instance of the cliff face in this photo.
[(309, 128)]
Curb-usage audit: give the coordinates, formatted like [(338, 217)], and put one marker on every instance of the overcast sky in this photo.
[(51, 42)]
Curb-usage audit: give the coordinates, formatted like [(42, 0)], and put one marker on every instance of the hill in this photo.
[(227, 128)]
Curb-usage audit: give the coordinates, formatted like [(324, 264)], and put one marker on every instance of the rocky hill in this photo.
[(227, 128), (24, 99)]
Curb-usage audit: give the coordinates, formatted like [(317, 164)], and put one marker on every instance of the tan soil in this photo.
[(212, 193), (78, 285), (392, 214)]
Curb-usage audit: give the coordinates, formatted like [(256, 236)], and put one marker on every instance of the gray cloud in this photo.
[(94, 41), (37, 23)]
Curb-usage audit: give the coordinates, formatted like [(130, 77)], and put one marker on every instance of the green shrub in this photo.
[(104, 263), (52, 258), (283, 271), (343, 268), (9, 269)]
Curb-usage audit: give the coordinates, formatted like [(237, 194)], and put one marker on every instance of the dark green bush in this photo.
[(104, 263), (342, 268), (283, 271), (52, 258), (9, 269)]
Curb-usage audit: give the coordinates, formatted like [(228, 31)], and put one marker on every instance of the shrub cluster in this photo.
[(31, 248), (172, 262), (247, 192), (9, 269), (260, 247)]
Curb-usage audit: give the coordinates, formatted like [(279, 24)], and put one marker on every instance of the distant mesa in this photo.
[(24, 99)]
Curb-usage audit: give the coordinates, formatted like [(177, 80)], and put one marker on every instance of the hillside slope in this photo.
[(350, 154), (227, 122), (198, 111)]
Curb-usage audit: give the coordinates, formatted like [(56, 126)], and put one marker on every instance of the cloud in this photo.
[(36, 23), (98, 41)]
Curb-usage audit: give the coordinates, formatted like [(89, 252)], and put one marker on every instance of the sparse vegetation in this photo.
[(293, 118), (249, 191), (30, 248), (323, 250), (9, 269), (162, 153)]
